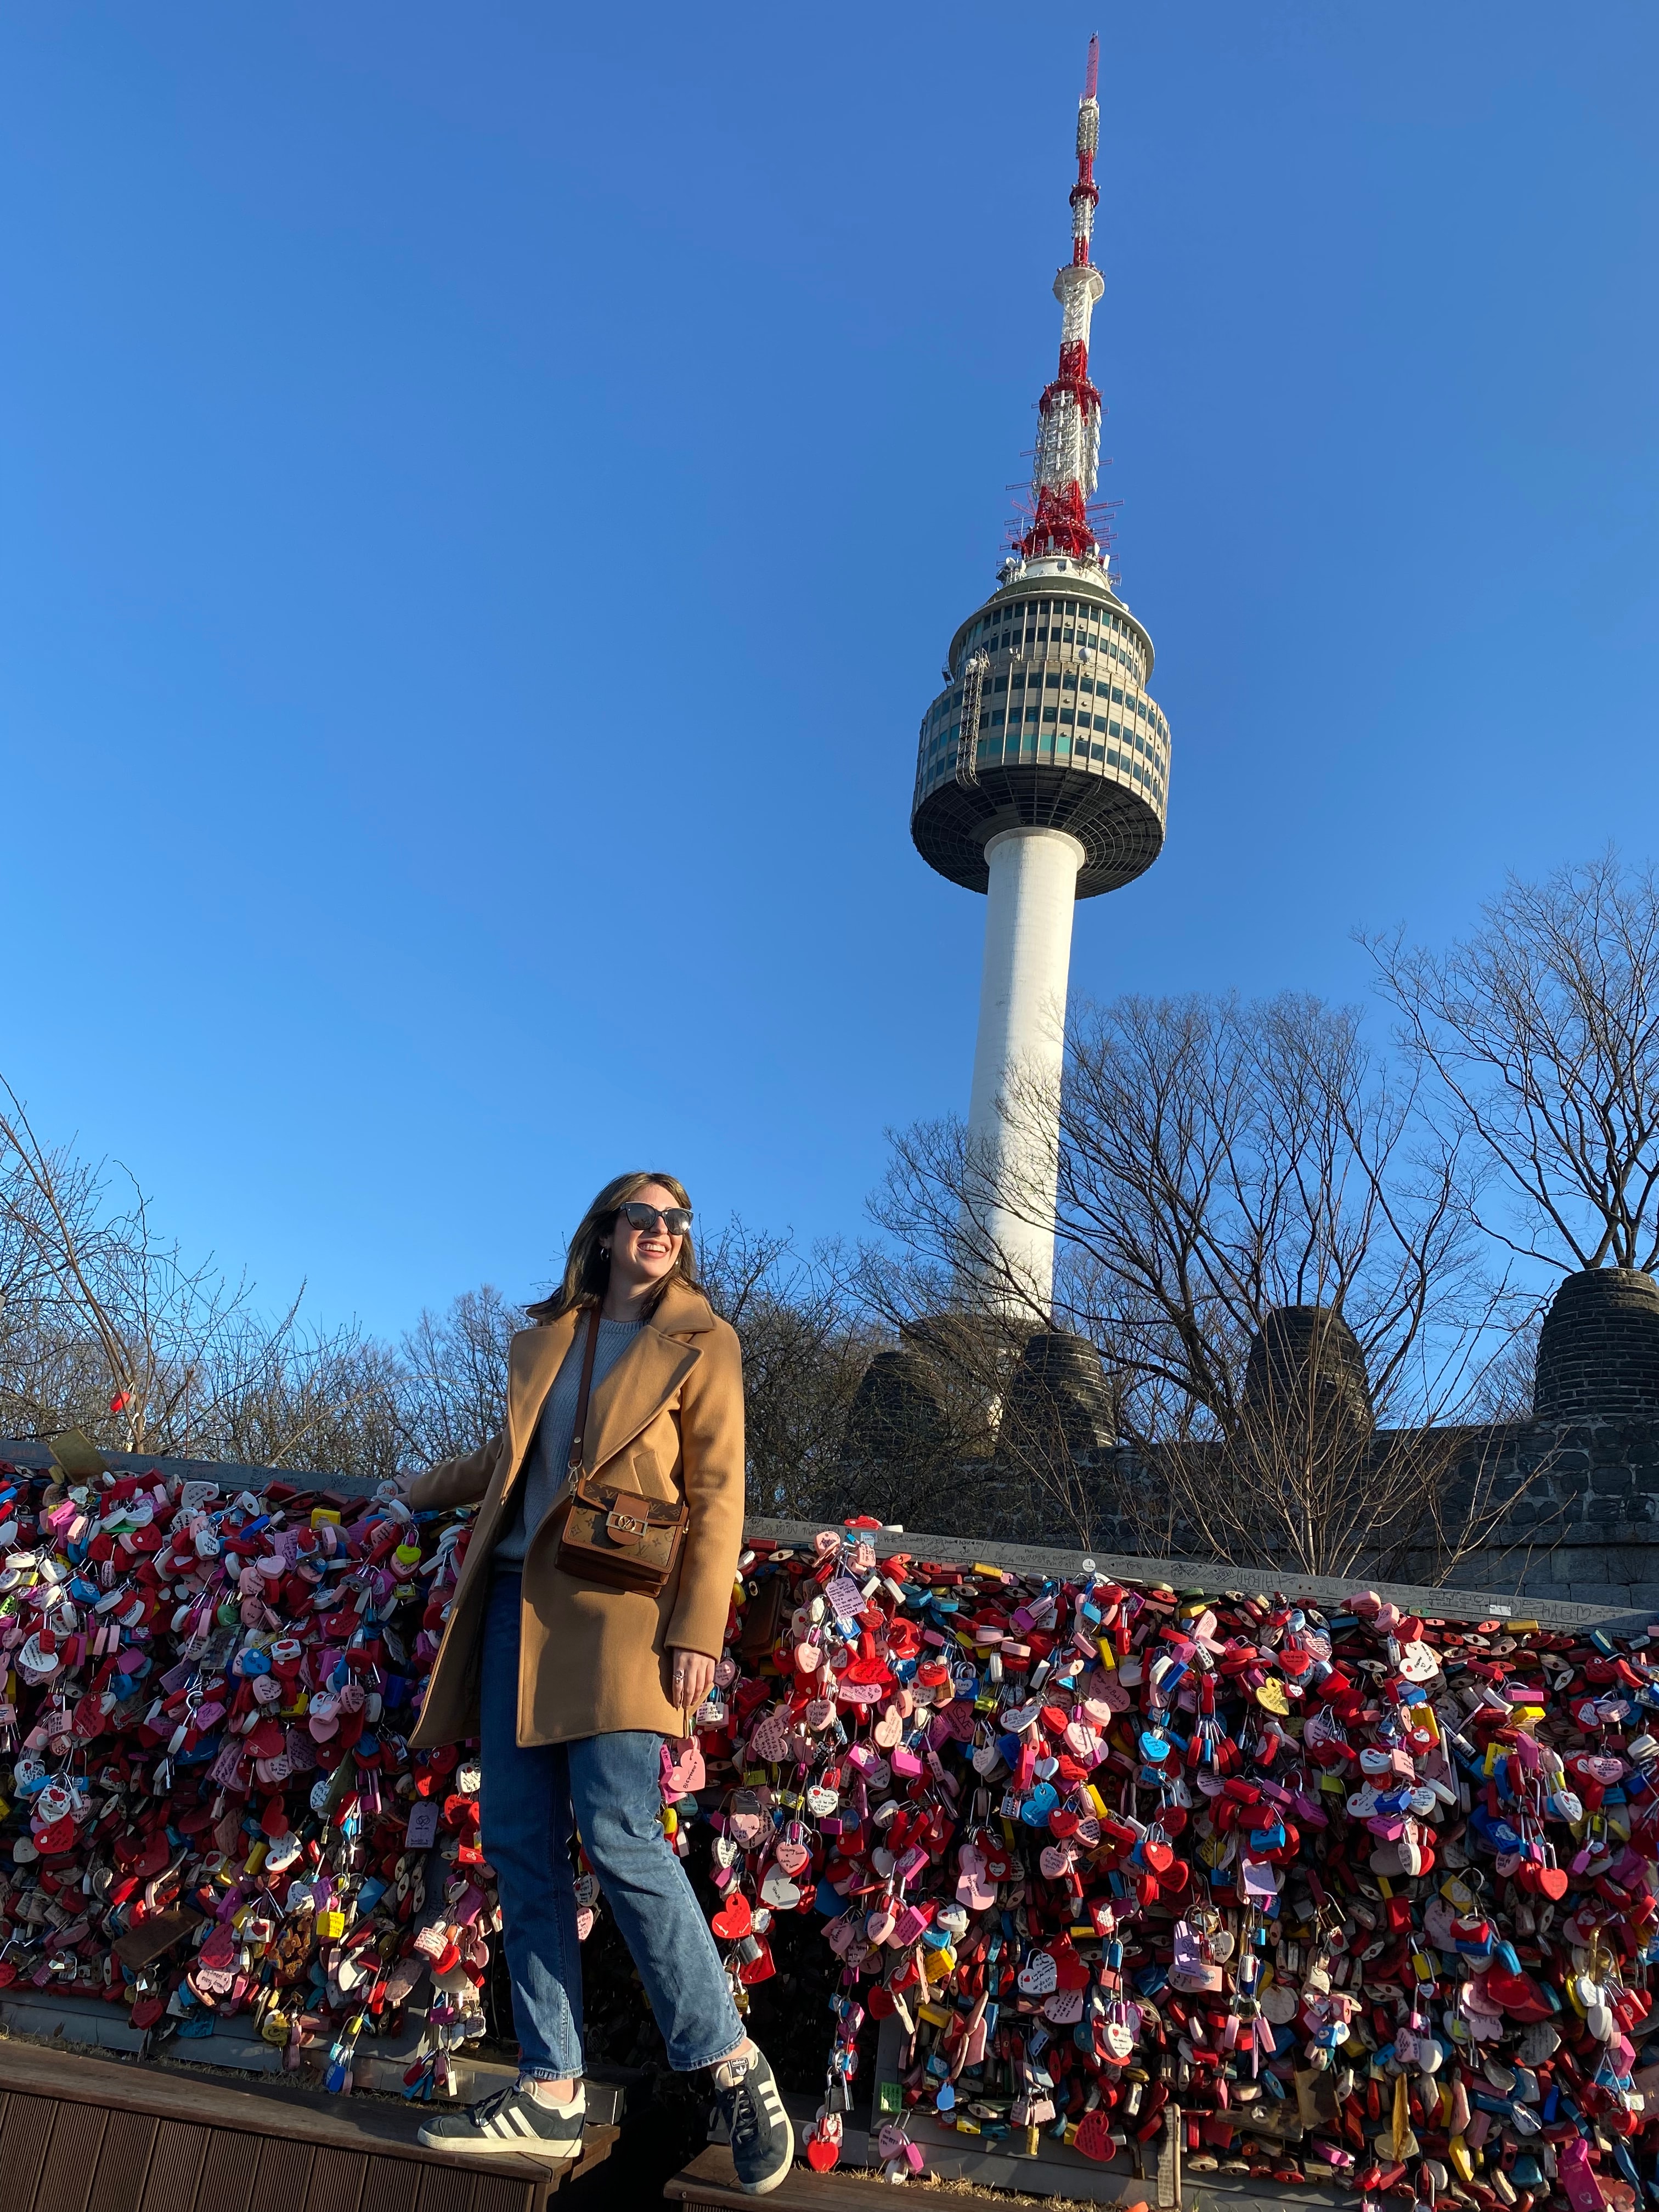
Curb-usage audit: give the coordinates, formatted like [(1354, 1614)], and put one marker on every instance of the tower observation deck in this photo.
[(1043, 773)]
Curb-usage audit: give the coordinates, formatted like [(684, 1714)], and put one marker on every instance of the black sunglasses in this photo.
[(677, 1219)]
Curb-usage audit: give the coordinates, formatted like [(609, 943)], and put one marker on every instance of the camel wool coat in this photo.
[(666, 1421)]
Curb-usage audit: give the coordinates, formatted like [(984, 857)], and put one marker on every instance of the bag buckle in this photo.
[(625, 1529)]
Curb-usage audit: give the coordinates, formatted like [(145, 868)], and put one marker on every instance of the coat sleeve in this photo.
[(457, 1481), (712, 1469)]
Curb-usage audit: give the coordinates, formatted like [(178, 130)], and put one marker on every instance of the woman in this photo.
[(570, 1683)]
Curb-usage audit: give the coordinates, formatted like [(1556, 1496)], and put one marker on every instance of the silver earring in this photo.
[(605, 1251)]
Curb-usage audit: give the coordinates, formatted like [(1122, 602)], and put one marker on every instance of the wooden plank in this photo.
[(77, 2141), (124, 2161), (389, 2186), (443, 2189), (24, 2135), (233, 2161), (175, 2167), (494, 2192), (709, 2184), (37, 2077), (336, 2181), (711, 2179), (283, 2175)]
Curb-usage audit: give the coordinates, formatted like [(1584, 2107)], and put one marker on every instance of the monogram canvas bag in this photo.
[(611, 1535)]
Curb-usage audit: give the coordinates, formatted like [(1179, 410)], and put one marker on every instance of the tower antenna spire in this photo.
[(1067, 463)]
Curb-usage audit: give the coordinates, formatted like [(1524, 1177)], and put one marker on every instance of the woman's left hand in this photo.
[(692, 1674)]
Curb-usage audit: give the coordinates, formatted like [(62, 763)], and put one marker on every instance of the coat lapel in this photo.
[(533, 1359), (630, 1396), (634, 1393)]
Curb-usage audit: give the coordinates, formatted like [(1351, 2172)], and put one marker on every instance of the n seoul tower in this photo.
[(1043, 773)]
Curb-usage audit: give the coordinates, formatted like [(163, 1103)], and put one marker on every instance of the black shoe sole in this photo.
[(482, 2146)]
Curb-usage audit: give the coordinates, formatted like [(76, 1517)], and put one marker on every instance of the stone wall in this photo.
[(1581, 1476)]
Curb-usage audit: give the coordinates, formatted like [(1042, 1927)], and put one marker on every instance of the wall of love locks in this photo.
[(213, 1814), (1370, 1899), (1362, 1898)]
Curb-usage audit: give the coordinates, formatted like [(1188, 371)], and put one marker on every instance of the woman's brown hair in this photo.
[(587, 1262)]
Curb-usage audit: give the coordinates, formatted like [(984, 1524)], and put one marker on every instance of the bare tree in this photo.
[(1220, 1165), (452, 1392), (105, 1326), (1542, 1030), (805, 1347)]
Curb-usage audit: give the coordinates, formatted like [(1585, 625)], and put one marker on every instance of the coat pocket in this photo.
[(640, 1468)]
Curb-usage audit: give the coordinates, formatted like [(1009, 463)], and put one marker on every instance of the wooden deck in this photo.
[(88, 2134), (710, 2184)]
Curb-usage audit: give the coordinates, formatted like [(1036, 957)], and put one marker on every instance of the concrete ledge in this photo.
[(82, 2023), (1213, 1577), (36, 1458)]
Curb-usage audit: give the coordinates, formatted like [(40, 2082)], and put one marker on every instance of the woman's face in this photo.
[(644, 1255)]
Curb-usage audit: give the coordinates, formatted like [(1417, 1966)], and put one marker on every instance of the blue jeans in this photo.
[(606, 1787)]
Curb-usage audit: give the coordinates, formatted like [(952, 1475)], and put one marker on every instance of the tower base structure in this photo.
[(1013, 1113)]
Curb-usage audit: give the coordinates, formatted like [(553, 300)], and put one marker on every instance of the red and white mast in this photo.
[(1068, 437)]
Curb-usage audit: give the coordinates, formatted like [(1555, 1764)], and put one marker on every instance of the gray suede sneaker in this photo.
[(512, 2122), (762, 2141)]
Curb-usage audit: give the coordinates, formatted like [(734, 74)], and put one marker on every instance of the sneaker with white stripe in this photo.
[(514, 2123), (762, 2141)]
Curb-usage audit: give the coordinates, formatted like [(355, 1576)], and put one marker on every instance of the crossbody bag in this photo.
[(612, 1536)]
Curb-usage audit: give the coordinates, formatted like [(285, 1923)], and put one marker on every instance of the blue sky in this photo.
[(487, 491)]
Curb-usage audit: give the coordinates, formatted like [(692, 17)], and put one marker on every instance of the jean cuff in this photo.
[(720, 2058), (550, 2073)]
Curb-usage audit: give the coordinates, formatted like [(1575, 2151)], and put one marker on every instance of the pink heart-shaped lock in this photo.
[(973, 1889)]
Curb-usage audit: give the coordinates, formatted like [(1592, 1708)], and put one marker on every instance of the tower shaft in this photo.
[(1013, 1113)]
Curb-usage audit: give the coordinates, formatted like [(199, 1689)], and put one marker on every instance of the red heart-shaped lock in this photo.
[(759, 1968), (1094, 2135), (734, 1920)]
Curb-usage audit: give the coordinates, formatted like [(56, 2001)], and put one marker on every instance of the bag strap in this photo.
[(575, 1463)]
